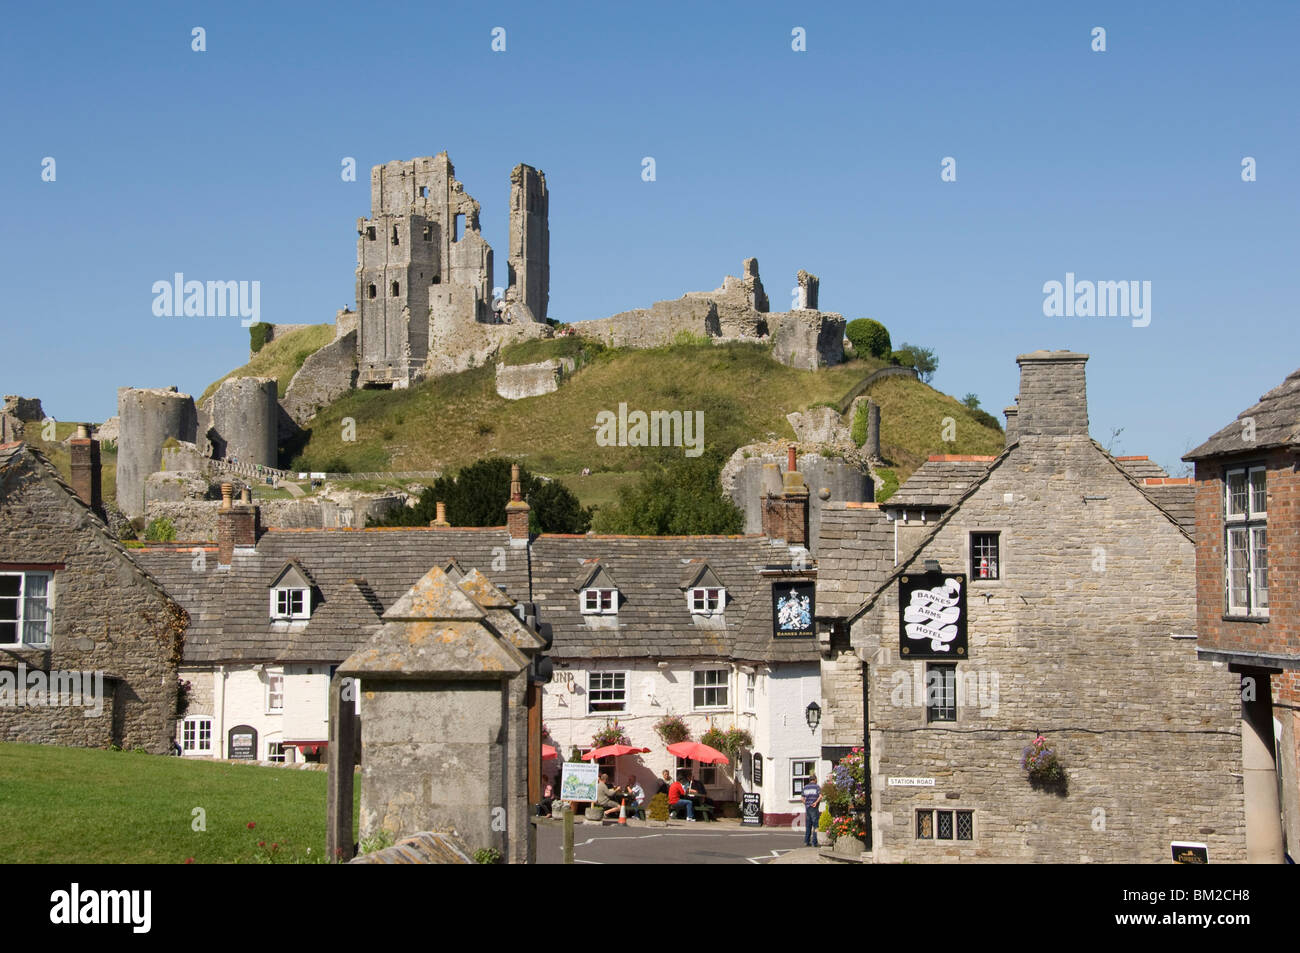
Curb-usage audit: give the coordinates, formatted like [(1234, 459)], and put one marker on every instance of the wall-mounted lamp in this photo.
[(813, 715)]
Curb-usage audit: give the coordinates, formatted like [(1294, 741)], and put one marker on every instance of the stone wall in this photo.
[(108, 617), (323, 378), (656, 326), (243, 421), (842, 481), (517, 381), (196, 520), (807, 340)]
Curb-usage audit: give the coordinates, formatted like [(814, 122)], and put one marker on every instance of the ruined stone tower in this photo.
[(424, 271), (530, 240)]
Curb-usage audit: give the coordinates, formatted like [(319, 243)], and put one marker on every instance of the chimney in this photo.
[(1012, 414), (785, 516), (441, 519), (1053, 394), (516, 510), (86, 474), (236, 524)]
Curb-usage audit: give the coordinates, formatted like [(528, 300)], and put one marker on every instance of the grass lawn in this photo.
[(81, 805)]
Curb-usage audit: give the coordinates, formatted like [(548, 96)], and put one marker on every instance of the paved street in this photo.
[(716, 843)]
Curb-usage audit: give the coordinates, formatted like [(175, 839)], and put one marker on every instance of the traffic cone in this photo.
[(622, 811)]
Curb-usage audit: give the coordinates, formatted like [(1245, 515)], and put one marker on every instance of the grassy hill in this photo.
[(742, 391), (280, 359)]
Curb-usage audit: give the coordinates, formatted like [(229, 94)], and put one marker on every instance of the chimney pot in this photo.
[(227, 494), (441, 519)]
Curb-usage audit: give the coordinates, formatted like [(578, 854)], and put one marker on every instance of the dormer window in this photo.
[(599, 601), (706, 600), (290, 604), (291, 593)]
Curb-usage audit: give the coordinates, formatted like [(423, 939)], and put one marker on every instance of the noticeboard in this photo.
[(751, 809), (242, 743), (578, 781)]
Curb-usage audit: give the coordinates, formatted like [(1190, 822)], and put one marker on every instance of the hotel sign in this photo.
[(932, 615)]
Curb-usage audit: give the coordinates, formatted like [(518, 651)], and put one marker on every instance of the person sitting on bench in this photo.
[(696, 790), (603, 799), (677, 799)]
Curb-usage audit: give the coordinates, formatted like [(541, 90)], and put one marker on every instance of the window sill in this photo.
[(1230, 617)]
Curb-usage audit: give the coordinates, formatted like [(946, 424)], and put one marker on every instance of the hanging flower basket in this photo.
[(1042, 765), (672, 729), (612, 734)]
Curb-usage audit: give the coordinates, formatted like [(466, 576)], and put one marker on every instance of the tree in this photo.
[(921, 358), (477, 496), (868, 337), (681, 497), (971, 401)]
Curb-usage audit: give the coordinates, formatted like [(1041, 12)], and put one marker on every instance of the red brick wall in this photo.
[(1281, 632)]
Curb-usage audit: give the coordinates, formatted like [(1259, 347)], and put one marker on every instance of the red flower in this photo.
[(261, 843), (189, 860), (275, 846), (251, 825)]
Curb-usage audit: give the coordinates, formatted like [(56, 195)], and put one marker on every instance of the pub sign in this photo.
[(932, 615), (793, 606)]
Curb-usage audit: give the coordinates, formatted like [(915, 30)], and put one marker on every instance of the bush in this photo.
[(680, 498), (824, 821), (868, 337), (488, 855), (658, 808), (257, 335), (161, 530)]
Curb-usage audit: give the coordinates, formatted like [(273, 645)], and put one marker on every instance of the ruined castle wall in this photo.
[(196, 520), (807, 340), (842, 481), (530, 240), (515, 382), (323, 378), (656, 326), (148, 417)]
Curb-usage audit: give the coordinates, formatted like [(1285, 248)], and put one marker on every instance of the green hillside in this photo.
[(280, 359), (743, 393)]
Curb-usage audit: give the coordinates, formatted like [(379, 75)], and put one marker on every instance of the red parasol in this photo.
[(695, 751), (612, 750)]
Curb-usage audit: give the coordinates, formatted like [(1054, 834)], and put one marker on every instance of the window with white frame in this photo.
[(707, 600), (606, 691), (599, 601), (275, 692), (751, 681), (711, 688), (801, 773), (25, 599), (287, 603), (275, 752), (196, 735), (1246, 544)]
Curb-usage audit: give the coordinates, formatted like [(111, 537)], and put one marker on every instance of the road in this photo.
[(702, 843)]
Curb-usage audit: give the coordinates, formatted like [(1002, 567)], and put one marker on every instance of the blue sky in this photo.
[(1122, 165)]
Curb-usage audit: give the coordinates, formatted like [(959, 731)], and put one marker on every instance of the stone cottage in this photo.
[(89, 641), (1053, 597), (1248, 599)]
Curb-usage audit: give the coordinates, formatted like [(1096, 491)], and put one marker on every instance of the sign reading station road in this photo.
[(932, 615)]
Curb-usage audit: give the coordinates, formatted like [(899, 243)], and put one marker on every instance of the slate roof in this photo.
[(940, 481), (855, 555), (229, 607), (335, 627), (654, 620), (1177, 498), (1140, 468), (1277, 424)]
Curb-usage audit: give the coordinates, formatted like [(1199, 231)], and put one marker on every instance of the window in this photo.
[(707, 601), (25, 617), (424, 191), (943, 825), (275, 752), (428, 233), (941, 693), (750, 680), (196, 735), (371, 291), (984, 556), (800, 773), (395, 241), (706, 774), (1246, 549), (290, 604), (395, 289), (275, 693), (604, 601), (606, 691), (370, 233), (711, 688)]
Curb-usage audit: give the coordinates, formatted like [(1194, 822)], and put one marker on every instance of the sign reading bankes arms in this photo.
[(932, 615)]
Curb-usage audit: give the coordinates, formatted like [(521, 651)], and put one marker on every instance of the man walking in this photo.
[(812, 799)]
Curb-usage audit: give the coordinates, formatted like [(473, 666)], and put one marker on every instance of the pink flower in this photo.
[(251, 825)]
